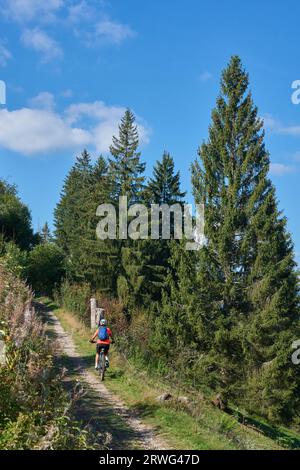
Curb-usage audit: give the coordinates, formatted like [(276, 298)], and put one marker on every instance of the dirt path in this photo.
[(101, 410)]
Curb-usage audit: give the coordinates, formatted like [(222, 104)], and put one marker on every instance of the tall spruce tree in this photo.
[(247, 309), (45, 233), (127, 176), (88, 259), (71, 207), (146, 262), (125, 166), (163, 188), (98, 258)]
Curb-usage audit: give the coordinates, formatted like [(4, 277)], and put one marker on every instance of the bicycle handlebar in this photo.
[(93, 341)]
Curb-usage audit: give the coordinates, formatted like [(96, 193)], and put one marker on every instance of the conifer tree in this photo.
[(68, 213), (126, 168), (127, 176), (45, 234), (175, 328), (98, 258), (248, 304), (164, 186), (88, 259)]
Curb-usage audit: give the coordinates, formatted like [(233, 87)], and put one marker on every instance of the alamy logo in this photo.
[(2, 92), (296, 353), (296, 94), (165, 222)]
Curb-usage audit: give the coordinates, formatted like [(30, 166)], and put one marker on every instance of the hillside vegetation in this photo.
[(35, 410), (188, 419), (218, 322), (223, 317)]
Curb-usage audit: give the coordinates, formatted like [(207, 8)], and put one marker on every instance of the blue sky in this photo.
[(71, 67)]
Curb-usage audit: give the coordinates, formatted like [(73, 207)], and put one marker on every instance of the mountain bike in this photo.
[(101, 362)]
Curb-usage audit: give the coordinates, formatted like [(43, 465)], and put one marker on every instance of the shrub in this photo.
[(35, 409), (45, 267), (75, 298), (14, 259)]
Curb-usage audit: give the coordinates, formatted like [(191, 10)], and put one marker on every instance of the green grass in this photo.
[(200, 426)]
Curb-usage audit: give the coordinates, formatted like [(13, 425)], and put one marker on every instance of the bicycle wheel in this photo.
[(102, 366)]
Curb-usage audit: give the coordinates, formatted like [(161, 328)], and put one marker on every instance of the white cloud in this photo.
[(79, 12), (280, 169), (34, 131), (5, 55), (30, 131), (68, 93), (23, 11), (102, 31), (269, 122), (97, 110), (87, 21), (276, 126), (290, 130), (105, 121), (205, 76), (43, 100), (112, 32), (43, 43)]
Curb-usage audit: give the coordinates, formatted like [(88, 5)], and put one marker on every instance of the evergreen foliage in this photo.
[(164, 186), (86, 187), (225, 317), (45, 268), (249, 322), (125, 166), (45, 234)]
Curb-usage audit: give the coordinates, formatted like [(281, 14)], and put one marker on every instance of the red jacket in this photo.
[(105, 341)]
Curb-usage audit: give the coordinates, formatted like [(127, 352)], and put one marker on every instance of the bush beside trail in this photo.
[(35, 409)]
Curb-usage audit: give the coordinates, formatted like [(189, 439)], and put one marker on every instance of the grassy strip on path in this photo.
[(204, 427)]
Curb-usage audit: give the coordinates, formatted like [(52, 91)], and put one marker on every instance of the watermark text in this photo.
[(157, 222), (2, 93)]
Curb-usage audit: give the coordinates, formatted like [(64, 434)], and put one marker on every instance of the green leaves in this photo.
[(45, 267), (15, 218)]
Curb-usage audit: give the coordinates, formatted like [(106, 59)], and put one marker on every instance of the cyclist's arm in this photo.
[(95, 336), (111, 336)]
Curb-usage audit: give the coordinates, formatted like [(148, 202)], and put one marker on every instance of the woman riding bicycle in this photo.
[(104, 339)]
